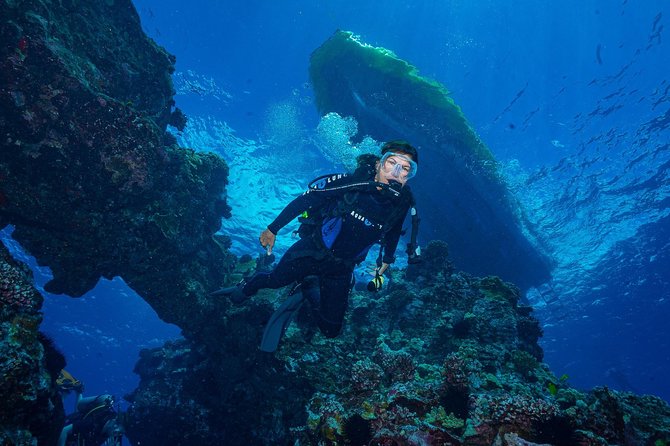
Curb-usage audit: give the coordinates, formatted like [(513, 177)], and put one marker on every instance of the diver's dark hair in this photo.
[(400, 145), (365, 166)]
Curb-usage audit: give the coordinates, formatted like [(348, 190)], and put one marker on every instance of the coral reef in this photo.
[(96, 188), (189, 394), (88, 176), (441, 359), (31, 409)]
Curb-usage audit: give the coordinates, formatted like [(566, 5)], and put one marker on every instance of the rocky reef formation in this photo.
[(91, 181), (438, 357), (31, 409), (463, 197), (94, 187)]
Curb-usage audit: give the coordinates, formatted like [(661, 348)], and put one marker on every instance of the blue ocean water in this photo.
[(572, 97)]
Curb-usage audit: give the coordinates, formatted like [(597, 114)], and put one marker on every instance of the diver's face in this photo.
[(395, 166)]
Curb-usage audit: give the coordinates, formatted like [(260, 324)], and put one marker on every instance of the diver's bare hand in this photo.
[(378, 270), (267, 240)]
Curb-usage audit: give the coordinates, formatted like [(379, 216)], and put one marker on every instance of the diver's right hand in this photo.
[(267, 240)]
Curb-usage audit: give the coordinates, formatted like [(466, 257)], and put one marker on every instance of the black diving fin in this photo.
[(279, 321)]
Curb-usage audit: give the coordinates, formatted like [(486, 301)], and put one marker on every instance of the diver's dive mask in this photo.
[(398, 166)]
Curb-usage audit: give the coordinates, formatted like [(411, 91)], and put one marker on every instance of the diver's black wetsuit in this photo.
[(350, 222)]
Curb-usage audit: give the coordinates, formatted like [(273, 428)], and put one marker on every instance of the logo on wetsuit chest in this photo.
[(367, 222), (321, 183)]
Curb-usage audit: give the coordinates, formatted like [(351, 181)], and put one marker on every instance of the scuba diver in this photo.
[(95, 422), (342, 216)]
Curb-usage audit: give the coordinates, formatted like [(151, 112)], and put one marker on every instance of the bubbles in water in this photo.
[(333, 138), (283, 128), (368, 145)]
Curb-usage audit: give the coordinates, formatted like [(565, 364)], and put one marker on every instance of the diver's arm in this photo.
[(391, 240), (292, 210), (314, 197), (309, 200)]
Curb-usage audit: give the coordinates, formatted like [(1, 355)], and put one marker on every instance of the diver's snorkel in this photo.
[(395, 185)]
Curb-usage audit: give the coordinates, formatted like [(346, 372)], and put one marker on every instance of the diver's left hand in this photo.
[(380, 271)]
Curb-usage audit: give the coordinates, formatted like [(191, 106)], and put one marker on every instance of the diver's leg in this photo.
[(311, 291), (291, 268), (334, 299), (284, 314)]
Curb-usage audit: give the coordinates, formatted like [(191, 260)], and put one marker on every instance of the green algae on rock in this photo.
[(376, 79), (459, 189)]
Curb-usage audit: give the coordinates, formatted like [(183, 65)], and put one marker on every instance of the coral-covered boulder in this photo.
[(95, 187), (236, 396), (31, 409)]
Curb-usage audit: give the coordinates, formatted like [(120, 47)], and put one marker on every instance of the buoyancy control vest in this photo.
[(323, 224)]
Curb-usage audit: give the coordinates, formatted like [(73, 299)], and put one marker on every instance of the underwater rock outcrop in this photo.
[(237, 395), (95, 187), (438, 357), (31, 409), (461, 195), (89, 178)]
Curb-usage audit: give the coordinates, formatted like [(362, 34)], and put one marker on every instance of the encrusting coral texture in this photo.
[(94, 186), (90, 179), (31, 410), (413, 366)]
